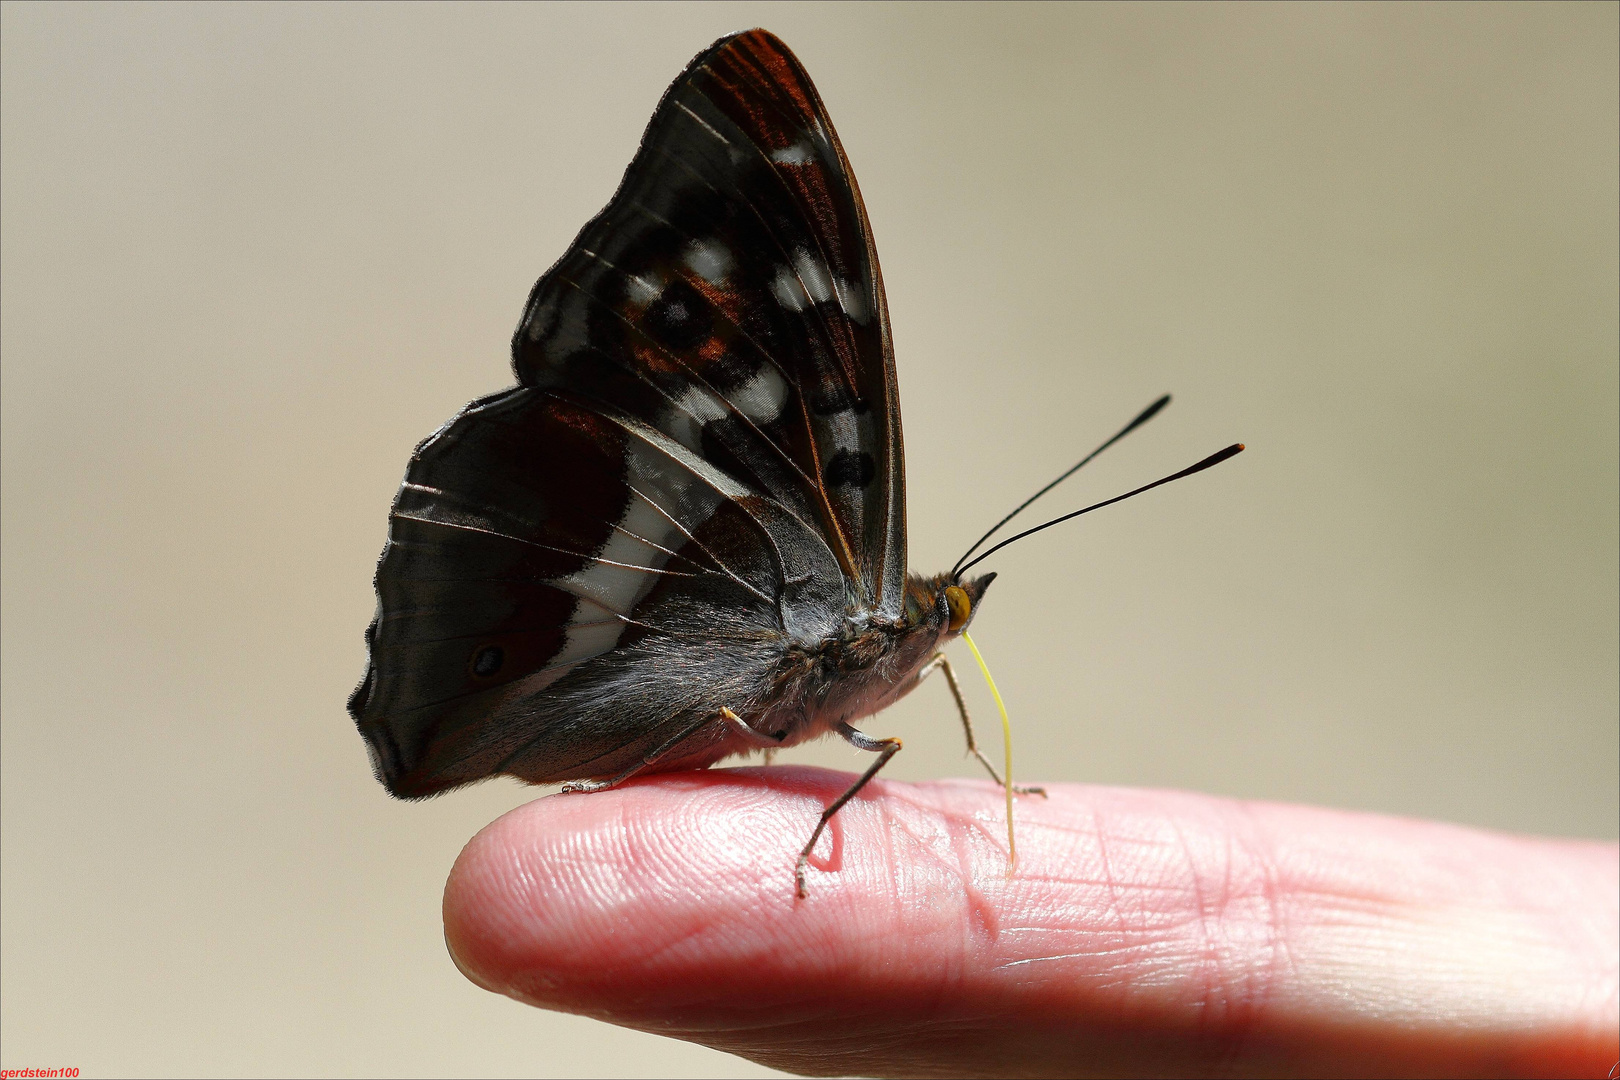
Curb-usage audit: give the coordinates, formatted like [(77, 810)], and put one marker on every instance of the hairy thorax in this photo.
[(845, 677)]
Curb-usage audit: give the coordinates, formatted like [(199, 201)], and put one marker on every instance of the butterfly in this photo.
[(681, 536)]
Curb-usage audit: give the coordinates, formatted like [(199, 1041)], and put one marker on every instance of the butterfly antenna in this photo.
[(1213, 459), (1146, 415)]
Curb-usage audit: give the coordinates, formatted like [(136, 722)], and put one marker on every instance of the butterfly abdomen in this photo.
[(854, 673)]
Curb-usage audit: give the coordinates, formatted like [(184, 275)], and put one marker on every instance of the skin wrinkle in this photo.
[(1246, 983), (1280, 965), (607, 847), (771, 882), (1137, 932), (901, 878), (699, 937), (664, 851), (948, 879), (1207, 950), (1091, 954), (605, 895), (1116, 910), (981, 922)]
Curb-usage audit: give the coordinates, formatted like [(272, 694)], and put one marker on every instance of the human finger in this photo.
[(1143, 932)]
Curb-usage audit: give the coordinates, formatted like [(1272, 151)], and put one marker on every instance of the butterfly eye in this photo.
[(956, 600)]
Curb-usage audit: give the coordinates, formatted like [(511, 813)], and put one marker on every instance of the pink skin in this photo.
[(1143, 933)]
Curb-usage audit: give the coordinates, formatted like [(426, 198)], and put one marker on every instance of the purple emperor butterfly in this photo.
[(682, 535)]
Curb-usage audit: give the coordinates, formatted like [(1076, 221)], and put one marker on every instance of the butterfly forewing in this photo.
[(733, 275), (701, 461)]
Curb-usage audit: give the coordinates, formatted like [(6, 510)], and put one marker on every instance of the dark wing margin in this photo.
[(730, 294)]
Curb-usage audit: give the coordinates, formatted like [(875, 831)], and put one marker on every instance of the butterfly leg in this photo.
[(885, 749), (725, 716), (769, 742), (758, 738), (944, 665)]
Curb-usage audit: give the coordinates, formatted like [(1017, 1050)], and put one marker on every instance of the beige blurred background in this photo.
[(252, 254)]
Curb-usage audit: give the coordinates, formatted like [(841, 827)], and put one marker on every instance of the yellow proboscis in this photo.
[(1006, 741)]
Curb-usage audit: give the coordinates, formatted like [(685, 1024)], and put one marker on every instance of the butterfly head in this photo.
[(944, 603)]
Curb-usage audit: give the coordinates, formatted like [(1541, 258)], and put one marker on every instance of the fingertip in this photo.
[(561, 902), (474, 900)]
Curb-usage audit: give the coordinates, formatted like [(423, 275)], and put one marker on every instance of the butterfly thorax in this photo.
[(870, 662)]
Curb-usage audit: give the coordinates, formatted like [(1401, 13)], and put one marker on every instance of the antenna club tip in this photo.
[(1240, 446)]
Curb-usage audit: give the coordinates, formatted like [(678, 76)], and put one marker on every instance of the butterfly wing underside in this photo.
[(701, 462)]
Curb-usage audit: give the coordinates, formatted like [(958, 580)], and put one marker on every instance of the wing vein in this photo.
[(548, 547), (717, 560)]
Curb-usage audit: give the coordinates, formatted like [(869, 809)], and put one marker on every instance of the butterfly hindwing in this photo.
[(700, 464), (537, 537)]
